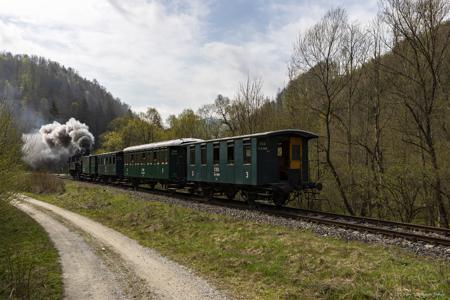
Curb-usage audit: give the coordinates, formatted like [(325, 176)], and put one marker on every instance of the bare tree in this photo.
[(242, 114), (374, 118), (223, 110), (355, 50), (213, 125), (420, 42), (247, 105), (319, 53)]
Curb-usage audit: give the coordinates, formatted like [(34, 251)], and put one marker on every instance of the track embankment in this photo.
[(101, 263)]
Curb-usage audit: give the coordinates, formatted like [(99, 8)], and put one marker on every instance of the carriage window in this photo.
[(159, 156), (247, 147), (143, 156), (155, 157), (192, 155), (279, 150), (132, 158), (203, 154), (216, 153), (230, 153), (295, 152), (164, 155), (114, 160)]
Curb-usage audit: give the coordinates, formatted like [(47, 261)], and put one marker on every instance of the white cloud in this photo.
[(151, 53)]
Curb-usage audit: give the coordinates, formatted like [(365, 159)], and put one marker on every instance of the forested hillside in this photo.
[(41, 91)]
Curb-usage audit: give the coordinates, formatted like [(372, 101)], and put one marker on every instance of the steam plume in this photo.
[(55, 143)]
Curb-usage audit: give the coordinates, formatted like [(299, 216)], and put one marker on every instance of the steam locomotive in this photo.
[(270, 165)]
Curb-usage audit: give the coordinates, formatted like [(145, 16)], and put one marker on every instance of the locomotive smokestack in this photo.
[(55, 143)]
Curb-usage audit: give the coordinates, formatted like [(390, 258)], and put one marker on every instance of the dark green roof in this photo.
[(293, 132)]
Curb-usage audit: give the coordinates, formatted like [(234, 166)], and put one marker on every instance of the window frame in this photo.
[(216, 146), (164, 155), (247, 144), (154, 157), (203, 155), (192, 157), (299, 156), (230, 145)]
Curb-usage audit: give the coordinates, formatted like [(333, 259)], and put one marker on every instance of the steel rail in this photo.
[(374, 221), (318, 218)]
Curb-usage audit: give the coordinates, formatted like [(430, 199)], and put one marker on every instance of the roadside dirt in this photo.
[(101, 263)]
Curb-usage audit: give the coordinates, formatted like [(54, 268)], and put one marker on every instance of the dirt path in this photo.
[(87, 275)]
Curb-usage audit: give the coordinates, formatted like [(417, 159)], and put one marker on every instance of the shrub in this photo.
[(43, 183)]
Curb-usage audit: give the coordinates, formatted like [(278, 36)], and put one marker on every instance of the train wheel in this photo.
[(230, 195), (135, 184), (207, 193), (279, 198), (249, 197)]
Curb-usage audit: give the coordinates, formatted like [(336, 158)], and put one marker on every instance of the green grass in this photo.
[(262, 261), (29, 263)]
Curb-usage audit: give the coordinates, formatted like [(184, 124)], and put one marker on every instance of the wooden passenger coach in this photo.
[(163, 162), (273, 162), (89, 165), (110, 165)]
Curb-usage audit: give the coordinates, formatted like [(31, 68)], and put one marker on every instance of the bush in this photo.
[(43, 183), (10, 154)]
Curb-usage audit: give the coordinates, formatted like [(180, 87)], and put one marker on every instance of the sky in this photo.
[(170, 54)]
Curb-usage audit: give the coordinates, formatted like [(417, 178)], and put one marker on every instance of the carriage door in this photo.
[(295, 153), (283, 159)]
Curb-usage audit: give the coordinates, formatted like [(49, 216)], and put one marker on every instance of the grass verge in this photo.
[(29, 263), (258, 261)]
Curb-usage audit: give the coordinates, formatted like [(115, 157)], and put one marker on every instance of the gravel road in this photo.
[(101, 263)]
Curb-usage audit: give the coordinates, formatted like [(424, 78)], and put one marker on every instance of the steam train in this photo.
[(269, 165)]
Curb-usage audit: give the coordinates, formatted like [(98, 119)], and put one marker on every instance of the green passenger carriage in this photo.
[(89, 165), (163, 162), (270, 164), (110, 165)]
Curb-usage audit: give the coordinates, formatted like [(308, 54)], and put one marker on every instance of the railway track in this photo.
[(411, 232), (407, 231)]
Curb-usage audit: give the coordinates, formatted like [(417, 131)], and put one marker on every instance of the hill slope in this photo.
[(41, 91)]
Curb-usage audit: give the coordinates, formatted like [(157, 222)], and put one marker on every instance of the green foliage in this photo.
[(29, 263), (186, 124), (132, 130), (10, 155), (260, 261)]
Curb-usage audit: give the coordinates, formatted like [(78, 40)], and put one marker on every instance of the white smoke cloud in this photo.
[(55, 143)]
